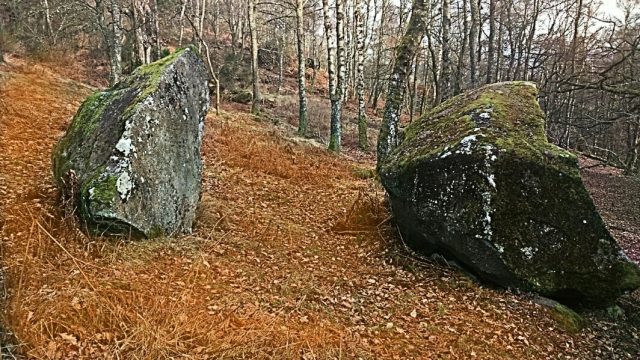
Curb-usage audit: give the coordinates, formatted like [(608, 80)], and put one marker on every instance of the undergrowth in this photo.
[(290, 259)]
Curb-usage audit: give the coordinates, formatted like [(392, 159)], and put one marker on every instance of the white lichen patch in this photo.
[(415, 189), (489, 158), (491, 180), (445, 154), (486, 220), (528, 252), (466, 144), (485, 115), (500, 248), (125, 146), (124, 185), (200, 131), (487, 195)]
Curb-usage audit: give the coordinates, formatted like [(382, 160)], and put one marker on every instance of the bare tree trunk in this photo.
[(331, 53), (445, 61), (425, 82), (155, 31), (463, 49), (512, 45), (350, 53), (532, 32), (203, 11), (302, 119), (376, 89), (314, 55), (138, 49), (492, 40), (473, 35), (281, 44), (405, 52), (633, 144), (183, 8), (145, 22), (255, 101), (212, 72), (414, 87), (216, 21), (435, 67), (47, 21), (363, 140), (498, 66), (574, 42), (335, 137), (115, 46)]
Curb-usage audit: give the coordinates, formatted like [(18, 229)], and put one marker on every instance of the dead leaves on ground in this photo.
[(293, 257)]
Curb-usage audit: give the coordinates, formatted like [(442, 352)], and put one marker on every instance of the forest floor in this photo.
[(294, 256)]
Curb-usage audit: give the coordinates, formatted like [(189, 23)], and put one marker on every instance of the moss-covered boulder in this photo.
[(476, 180), (131, 156)]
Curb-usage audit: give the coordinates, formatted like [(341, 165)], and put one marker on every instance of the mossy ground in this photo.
[(568, 319)]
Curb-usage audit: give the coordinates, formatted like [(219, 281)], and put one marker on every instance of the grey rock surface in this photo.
[(476, 181), (131, 156)]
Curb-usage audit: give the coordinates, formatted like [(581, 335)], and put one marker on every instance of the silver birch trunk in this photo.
[(499, 55), (376, 88), (331, 65), (255, 101), (203, 11), (115, 46), (445, 55), (492, 40), (363, 140), (183, 8), (47, 21), (473, 36), (405, 52), (335, 137), (463, 51), (302, 95)]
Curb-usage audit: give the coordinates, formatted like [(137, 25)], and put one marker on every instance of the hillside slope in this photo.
[(293, 257)]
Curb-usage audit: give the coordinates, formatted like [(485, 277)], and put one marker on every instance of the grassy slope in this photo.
[(292, 257)]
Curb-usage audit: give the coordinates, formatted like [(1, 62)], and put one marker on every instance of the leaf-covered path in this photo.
[(292, 258)]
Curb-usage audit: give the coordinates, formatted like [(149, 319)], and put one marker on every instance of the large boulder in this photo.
[(131, 156), (476, 181)]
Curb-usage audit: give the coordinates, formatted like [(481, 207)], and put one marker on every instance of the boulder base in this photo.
[(476, 181), (131, 156)]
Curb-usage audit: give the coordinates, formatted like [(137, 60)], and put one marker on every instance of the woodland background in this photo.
[(582, 54)]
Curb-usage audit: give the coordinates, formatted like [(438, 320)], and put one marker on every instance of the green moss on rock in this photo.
[(104, 190), (83, 125), (568, 319), (475, 179), (517, 125), (136, 143)]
